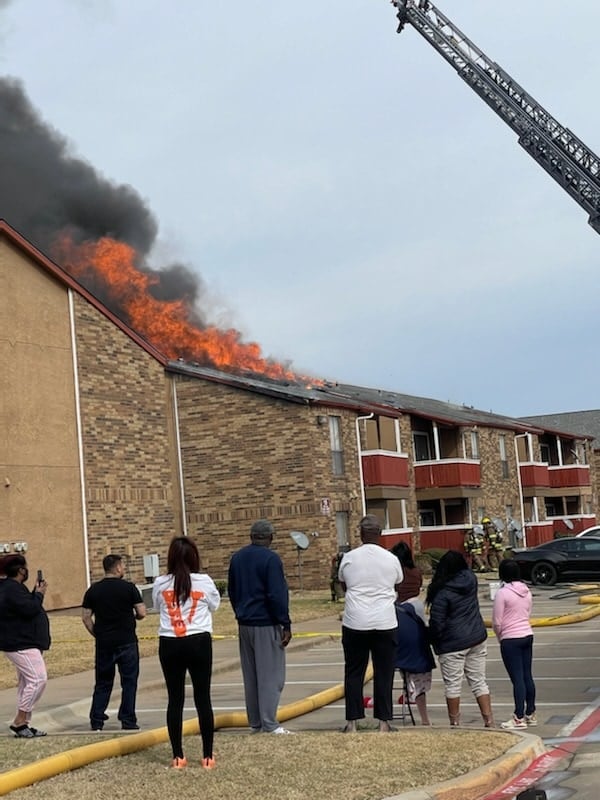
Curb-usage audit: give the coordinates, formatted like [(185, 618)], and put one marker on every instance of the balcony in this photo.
[(534, 474), (538, 533), (569, 476), (449, 472), (382, 468)]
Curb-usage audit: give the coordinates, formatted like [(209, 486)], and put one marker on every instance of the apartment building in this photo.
[(107, 446)]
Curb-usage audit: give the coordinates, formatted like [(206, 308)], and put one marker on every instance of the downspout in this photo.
[(179, 461), (518, 436), (360, 468), (86, 546)]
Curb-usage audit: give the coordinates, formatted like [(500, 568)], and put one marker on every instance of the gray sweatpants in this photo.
[(263, 669)]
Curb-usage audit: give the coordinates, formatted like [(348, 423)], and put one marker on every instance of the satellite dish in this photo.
[(301, 539), (498, 523), (568, 523)]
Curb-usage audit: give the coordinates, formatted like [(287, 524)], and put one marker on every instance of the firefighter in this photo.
[(474, 541), (494, 544), (334, 583)]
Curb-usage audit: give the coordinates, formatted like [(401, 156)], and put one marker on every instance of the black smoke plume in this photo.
[(45, 190)]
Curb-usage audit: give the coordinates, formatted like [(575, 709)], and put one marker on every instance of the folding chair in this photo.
[(405, 706)]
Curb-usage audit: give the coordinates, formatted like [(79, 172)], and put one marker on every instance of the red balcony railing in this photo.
[(534, 475), (385, 469), (447, 472), (570, 475)]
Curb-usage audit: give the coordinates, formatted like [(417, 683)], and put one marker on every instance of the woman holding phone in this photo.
[(24, 635)]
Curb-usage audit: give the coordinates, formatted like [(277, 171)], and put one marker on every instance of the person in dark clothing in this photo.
[(24, 635), (458, 634), (412, 580), (413, 655), (109, 611), (258, 593)]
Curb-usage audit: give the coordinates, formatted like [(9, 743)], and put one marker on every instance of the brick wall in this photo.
[(497, 491), (128, 447), (247, 456)]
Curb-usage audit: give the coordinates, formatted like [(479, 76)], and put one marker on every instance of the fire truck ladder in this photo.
[(564, 157)]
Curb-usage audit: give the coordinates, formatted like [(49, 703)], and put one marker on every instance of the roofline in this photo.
[(21, 243), (277, 391), (511, 425)]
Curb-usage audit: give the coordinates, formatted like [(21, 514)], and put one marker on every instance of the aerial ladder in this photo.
[(564, 157)]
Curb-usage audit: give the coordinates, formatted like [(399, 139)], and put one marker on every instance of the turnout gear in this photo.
[(474, 546), (494, 543)]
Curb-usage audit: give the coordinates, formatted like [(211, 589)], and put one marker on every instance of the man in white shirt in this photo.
[(370, 576)]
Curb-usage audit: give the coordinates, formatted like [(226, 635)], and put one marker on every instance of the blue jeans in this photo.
[(517, 655), (125, 658)]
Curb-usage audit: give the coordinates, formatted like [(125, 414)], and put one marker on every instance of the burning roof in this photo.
[(102, 234)]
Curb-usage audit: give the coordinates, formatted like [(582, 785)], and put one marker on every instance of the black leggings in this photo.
[(177, 656)]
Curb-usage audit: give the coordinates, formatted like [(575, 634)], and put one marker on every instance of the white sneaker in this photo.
[(514, 723), (281, 730), (531, 720)]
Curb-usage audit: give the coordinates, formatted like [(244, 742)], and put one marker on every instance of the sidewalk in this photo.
[(65, 703)]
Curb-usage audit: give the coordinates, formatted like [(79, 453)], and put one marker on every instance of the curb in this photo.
[(483, 781)]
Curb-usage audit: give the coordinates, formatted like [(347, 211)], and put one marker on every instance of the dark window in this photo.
[(337, 450), (422, 446)]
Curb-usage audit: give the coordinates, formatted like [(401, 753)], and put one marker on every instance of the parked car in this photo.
[(593, 531), (571, 558)]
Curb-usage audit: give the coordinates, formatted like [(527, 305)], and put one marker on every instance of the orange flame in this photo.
[(110, 268)]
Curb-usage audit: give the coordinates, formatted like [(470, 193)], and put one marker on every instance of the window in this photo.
[(337, 450), (503, 458), (474, 444), (422, 447), (341, 527), (427, 518), (430, 513)]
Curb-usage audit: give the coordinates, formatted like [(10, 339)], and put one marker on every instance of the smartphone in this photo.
[(40, 577)]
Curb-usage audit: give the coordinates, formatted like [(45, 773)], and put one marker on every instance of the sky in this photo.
[(345, 199)]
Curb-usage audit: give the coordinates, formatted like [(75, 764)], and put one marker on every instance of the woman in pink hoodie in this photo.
[(510, 621)]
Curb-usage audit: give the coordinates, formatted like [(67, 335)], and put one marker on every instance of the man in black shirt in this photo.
[(110, 609)]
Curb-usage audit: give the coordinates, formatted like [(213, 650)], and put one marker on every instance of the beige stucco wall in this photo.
[(38, 432)]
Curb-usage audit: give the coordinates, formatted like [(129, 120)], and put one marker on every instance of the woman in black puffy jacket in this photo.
[(458, 634)]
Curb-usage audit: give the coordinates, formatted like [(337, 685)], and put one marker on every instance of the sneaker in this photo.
[(22, 731), (531, 720), (514, 723), (179, 763), (208, 763), (130, 726), (281, 730)]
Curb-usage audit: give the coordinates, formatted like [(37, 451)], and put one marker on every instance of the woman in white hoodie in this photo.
[(510, 621)]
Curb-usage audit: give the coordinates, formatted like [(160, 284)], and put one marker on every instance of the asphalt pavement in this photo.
[(566, 669)]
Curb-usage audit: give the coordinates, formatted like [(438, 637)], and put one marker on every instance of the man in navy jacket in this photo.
[(258, 593)]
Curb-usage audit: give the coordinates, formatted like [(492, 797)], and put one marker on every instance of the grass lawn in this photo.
[(363, 766)]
